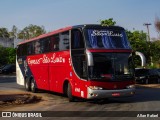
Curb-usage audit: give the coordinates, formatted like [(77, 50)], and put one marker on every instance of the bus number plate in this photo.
[(115, 94)]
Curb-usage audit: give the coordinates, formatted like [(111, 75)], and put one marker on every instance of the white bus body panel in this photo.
[(19, 75)]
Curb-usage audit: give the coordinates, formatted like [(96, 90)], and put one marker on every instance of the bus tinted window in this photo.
[(54, 43), (44, 45), (30, 48), (19, 52), (64, 41), (77, 40), (24, 49), (37, 48)]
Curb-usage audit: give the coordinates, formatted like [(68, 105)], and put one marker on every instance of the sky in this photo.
[(55, 14)]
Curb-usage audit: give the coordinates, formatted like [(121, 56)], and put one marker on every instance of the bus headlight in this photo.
[(95, 88), (130, 86)]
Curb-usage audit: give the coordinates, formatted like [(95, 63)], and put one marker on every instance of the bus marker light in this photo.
[(95, 88)]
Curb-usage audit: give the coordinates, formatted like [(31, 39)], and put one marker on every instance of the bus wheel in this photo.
[(33, 86), (69, 93), (146, 81), (158, 81), (27, 84)]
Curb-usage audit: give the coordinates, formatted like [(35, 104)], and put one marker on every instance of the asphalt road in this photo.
[(7, 78), (146, 99)]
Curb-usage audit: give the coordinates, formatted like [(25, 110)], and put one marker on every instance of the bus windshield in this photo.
[(106, 39), (112, 66)]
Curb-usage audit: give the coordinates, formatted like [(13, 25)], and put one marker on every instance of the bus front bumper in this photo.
[(100, 94)]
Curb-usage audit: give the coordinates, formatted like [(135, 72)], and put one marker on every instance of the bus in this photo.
[(83, 61)]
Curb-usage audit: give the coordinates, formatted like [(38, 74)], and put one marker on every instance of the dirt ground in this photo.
[(14, 98)]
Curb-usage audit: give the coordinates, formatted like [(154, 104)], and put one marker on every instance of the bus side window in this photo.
[(44, 45), (64, 41), (41, 46), (77, 40), (37, 47), (19, 50), (54, 43), (30, 48), (24, 49)]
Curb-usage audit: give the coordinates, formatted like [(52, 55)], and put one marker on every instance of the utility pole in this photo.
[(148, 36), (147, 25)]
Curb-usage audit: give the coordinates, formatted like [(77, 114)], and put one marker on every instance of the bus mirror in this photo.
[(90, 58), (143, 58)]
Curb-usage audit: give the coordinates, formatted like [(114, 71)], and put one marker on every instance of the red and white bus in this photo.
[(86, 61)]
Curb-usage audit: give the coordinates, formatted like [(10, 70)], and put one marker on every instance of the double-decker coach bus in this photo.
[(86, 61)]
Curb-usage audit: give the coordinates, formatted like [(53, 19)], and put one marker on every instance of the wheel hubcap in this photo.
[(32, 85)]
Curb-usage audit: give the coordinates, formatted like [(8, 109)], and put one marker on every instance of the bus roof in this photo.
[(69, 28), (96, 26), (47, 34)]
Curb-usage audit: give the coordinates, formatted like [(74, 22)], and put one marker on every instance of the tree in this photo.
[(8, 55), (31, 31), (155, 48), (137, 40), (138, 43), (4, 33), (108, 22), (14, 32), (2, 56)]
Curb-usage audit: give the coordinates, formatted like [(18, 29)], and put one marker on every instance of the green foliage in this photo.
[(2, 56), (14, 32), (27, 33), (4, 33), (138, 40), (108, 22), (155, 51), (31, 31), (138, 43), (149, 49), (8, 55)]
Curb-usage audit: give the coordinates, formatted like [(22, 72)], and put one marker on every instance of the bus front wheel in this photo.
[(69, 93)]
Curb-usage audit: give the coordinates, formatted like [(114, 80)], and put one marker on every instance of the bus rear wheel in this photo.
[(27, 84), (146, 81), (33, 86), (158, 81), (69, 93)]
